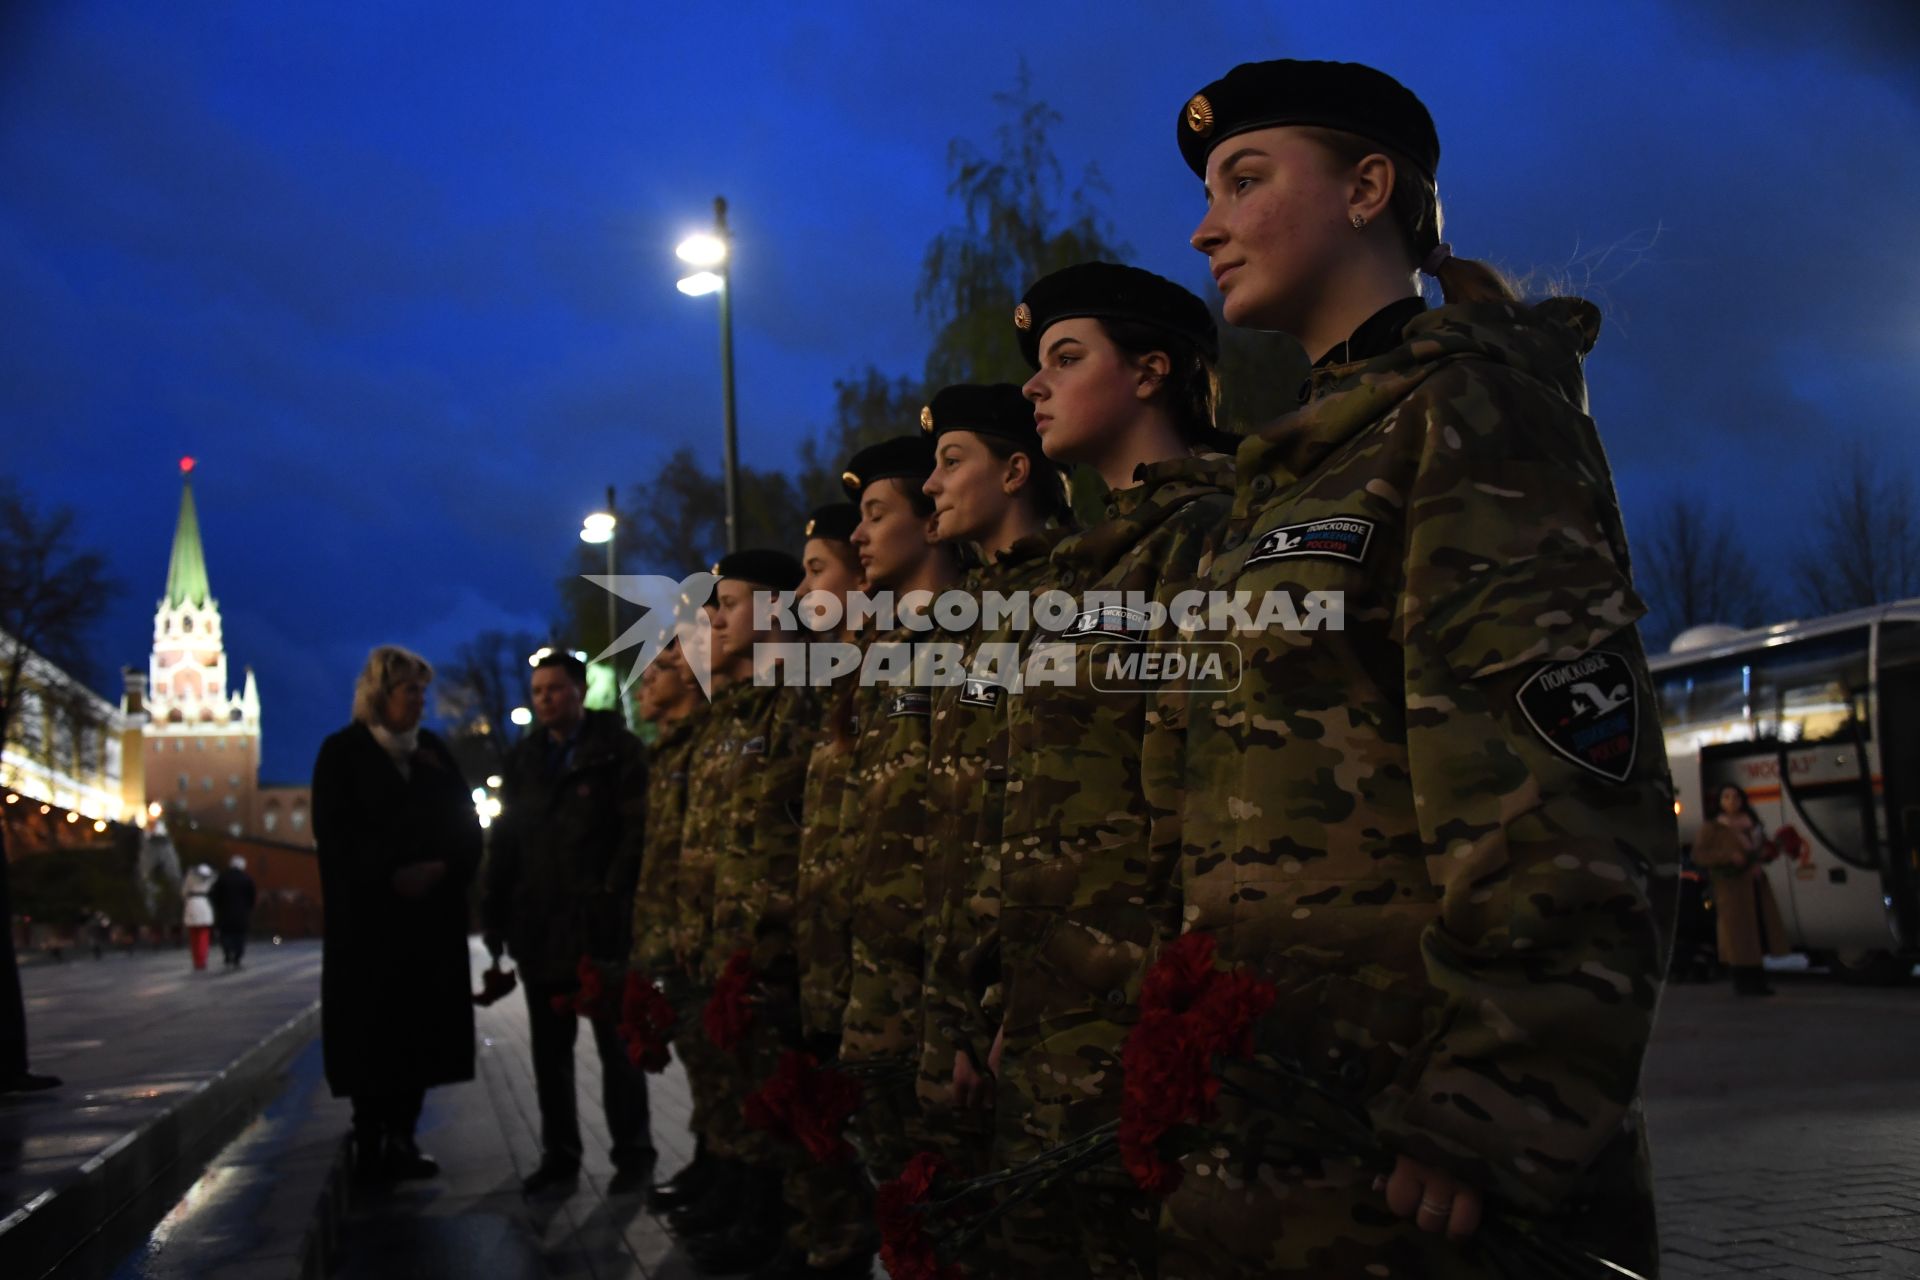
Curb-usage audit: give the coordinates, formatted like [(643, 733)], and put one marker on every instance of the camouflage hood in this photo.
[(1161, 492), (1545, 342)]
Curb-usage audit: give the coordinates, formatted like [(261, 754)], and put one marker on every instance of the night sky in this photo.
[(400, 276)]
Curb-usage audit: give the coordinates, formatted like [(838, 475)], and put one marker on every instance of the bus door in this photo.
[(1898, 690), (1809, 796)]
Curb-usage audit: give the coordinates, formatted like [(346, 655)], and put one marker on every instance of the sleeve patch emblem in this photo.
[(1587, 710), (755, 746), (1114, 622), (1336, 538), (982, 693), (910, 702)]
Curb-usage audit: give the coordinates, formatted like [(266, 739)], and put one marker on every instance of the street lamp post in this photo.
[(711, 252), (599, 527)]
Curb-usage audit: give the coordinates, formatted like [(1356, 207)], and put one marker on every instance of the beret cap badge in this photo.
[(1023, 317), (1200, 114), (809, 532), (850, 480), (926, 417)]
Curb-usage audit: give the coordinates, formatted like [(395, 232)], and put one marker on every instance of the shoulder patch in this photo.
[(1336, 538), (909, 702), (754, 746), (982, 693), (1113, 622), (1587, 710)]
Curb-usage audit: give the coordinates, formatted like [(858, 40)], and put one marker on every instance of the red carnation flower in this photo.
[(809, 1106), (591, 1000), (729, 1011), (906, 1250), (1191, 1014), (647, 1018)]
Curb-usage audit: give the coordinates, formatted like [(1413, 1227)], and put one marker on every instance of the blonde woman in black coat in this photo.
[(399, 843)]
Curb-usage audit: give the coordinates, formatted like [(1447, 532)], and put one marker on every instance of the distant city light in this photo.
[(73, 817), (153, 810), (479, 794), (494, 780), (520, 716), (533, 660), (99, 824)]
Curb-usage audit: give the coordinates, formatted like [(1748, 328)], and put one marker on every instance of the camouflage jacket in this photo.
[(1446, 830), (823, 900), (889, 808), (966, 792), (714, 768), (757, 881), (653, 898), (755, 875), (1090, 835)]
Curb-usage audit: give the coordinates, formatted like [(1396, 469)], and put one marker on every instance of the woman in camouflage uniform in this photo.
[(1124, 383), (995, 490), (1445, 831), (888, 781), (831, 1204)]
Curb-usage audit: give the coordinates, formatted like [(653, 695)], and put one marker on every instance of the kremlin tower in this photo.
[(197, 737)]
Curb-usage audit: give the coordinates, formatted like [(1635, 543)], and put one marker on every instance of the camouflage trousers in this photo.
[(832, 1208), (714, 1079), (887, 1129), (1099, 1224), (1316, 1220)]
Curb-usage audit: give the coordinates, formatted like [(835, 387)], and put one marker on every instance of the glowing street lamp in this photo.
[(520, 716), (598, 528), (712, 252)]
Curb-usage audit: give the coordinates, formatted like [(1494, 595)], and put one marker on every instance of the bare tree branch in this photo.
[(1867, 548), (1695, 570)]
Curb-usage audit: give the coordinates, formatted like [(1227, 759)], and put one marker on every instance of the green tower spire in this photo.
[(187, 571)]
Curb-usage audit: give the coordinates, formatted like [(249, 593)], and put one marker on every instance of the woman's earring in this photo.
[(1358, 222)]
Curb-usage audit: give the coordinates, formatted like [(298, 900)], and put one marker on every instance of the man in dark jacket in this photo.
[(232, 898), (560, 882)]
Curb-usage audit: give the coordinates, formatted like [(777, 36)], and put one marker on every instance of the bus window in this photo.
[(1814, 691)]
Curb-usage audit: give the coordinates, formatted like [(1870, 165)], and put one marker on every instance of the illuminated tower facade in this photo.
[(202, 737)]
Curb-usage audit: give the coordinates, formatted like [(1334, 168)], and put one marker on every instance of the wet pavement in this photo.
[(1786, 1133), (131, 1036)]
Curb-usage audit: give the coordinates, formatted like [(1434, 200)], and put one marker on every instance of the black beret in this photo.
[(774, 570), (905, 457), (836, 522), (1109, 291), (1000, 410), (1346, 96)]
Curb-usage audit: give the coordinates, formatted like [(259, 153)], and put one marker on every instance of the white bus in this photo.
[(1820, 723)]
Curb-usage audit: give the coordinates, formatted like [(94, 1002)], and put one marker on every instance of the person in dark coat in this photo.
[(561, 872), (399, 842), (233, 896), (14, 1076)]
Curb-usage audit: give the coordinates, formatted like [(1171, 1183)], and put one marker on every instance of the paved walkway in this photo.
[(1786, 1132), (472, 1221), (131, 1035)]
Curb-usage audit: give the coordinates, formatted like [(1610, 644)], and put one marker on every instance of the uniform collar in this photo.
[(1161, 491), (1378, 334)]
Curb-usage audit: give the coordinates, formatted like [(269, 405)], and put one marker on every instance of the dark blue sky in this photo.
[(401, 275)]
